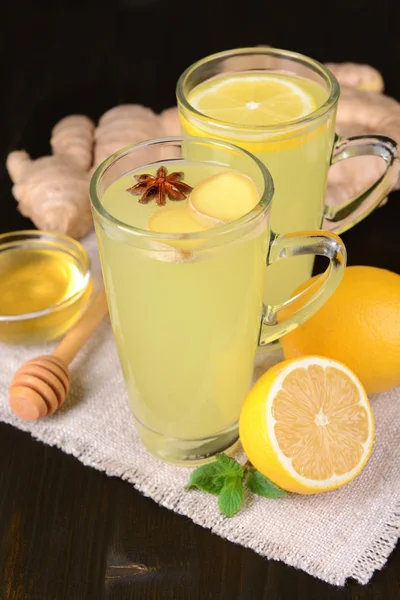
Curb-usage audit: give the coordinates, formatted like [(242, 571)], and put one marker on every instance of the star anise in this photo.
[(159, 186)]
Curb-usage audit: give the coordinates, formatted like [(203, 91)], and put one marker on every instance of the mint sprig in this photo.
[(226, 478)]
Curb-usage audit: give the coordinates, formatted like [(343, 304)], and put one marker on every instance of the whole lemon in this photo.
[(359, 326)]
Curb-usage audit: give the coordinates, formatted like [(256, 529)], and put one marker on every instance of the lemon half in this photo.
[(307, 425)]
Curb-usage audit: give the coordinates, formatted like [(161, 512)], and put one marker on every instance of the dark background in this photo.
[(67, 531)]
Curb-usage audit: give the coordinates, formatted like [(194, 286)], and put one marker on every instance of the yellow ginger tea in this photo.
[(186, 314), (259, 111)]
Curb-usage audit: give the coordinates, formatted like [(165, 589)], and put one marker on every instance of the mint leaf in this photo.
[(204, 478), (261, 485), (228, 466), (231, 496)]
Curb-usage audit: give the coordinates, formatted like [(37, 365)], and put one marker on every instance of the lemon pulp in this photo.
[(320, 423)]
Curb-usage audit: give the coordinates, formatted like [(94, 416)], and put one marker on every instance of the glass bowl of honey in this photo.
[(45, 285)]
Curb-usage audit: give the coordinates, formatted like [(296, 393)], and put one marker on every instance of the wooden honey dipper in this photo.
[(41, 385)]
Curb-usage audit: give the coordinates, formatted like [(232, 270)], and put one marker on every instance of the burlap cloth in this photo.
[(333, 536)]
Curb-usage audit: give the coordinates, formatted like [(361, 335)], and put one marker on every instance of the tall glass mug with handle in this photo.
[(281, 107), (185, 299)]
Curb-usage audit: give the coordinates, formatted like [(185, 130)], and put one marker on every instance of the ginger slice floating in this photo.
[(222, 198), (177, 220), (174, 219)]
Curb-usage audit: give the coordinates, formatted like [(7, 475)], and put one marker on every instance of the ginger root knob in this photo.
[(73, 136), (52, 191), (170, 122), (122, 126), (354, 75)]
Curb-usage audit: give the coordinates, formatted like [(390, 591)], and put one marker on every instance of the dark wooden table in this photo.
[(68, 532)]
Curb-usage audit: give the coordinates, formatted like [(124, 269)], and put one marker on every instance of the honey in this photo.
[(45, 284)]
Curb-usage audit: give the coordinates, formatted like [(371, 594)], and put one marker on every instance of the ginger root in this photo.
[(73, 136), (361, 111), (170, 122), (361, 77), (52, 191), (122, 126), (129, 124)]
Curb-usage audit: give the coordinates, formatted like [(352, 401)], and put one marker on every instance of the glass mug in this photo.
[(297, 153), (187, 325)]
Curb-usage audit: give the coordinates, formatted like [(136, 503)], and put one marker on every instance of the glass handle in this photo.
[(337, 217), (279, 319)]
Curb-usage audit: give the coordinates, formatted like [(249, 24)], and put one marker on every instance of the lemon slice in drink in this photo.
[(307, 425), (253, 99)]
